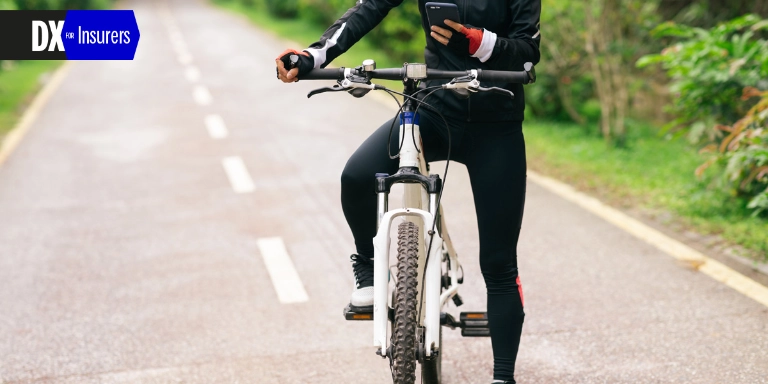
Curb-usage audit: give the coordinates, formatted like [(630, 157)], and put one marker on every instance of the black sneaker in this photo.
[(502, 382), (362, 297)]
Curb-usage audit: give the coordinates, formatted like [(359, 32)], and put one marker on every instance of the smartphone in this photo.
[(438, 12)]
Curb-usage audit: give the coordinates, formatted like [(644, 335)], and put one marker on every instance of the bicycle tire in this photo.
[(404, 335)]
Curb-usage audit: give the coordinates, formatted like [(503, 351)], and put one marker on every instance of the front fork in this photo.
[(411, 172), (429, 269), (432, 280)]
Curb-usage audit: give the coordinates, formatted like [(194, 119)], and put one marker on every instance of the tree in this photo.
[(705, 13), (616, 35)]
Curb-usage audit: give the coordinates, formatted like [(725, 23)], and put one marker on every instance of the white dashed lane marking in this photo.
[(238, 175), (192, 74), (202, 95), (284, 277), (216, 127), (184, 58)]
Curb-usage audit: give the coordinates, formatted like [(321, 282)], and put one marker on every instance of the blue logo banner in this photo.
[(100, 35)]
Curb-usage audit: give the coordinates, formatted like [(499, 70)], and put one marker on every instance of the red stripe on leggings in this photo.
[(520, 289)]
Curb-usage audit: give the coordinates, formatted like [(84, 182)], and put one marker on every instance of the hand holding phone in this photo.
[(464, 40)]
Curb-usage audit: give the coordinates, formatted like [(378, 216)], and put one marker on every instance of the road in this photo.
[(140, 213)]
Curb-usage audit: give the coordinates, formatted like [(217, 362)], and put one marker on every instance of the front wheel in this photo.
[(404, 334)]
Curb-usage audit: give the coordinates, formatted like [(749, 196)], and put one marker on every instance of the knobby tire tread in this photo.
[(404, 334)]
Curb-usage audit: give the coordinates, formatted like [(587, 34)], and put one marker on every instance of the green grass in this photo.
[(651, 173), (18, 85)]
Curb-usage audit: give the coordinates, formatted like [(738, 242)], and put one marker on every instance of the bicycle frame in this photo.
[(421, 206), (420, 191)]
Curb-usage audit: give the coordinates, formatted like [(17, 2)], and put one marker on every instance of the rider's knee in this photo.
[(350, 178), (499, 271), (502, 261)]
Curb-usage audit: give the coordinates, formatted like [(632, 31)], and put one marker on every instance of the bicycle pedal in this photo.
[(357, 314), (474, 324), (475, 332)]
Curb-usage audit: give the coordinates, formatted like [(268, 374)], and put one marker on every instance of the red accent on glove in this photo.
[(475, 37)]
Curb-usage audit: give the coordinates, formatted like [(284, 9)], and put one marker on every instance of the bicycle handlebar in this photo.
[(520, 77), (324, 74)]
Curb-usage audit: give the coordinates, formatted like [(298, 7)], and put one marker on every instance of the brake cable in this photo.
[(445, 172), (399, 111)]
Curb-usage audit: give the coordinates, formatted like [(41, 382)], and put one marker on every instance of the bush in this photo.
[(743, 154), (718, 80), (399, 34), (322, 12), (8, 5), (285, 9), (709, 69)]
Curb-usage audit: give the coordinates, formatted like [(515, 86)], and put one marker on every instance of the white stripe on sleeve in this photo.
[(319, 54), (486, 46)]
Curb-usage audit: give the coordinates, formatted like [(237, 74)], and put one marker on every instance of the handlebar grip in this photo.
[(503, 76), (388, 74), (323, 74), (438, 74)]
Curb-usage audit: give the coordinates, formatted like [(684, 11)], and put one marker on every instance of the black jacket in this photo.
[(515, 22)]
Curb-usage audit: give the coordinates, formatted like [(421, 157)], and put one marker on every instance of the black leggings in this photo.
[(494, 154)]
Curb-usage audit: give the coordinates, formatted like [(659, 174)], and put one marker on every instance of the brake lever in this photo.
[(463, 79), (335, 88), (497, 90)]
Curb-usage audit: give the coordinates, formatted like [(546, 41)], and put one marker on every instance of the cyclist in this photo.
[(486, 136)]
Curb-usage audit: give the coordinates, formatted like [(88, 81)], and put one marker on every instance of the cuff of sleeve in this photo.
[(316, 58), (486, 46)]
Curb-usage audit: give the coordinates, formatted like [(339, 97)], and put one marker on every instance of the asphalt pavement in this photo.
[(152, 217)]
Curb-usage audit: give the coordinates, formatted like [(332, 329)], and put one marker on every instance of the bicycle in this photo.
[(409, 311)]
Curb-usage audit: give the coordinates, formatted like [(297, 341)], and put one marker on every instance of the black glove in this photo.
[(302, 60), (467, 41)]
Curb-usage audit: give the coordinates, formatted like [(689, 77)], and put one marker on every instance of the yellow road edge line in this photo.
[(672, 247), (13, 138)]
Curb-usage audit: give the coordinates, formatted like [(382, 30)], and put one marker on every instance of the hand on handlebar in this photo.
[(464, 41), (292, 63)]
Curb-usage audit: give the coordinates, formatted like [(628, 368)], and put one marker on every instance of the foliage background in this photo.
[(53, 4), (670, 135), (684, 131)]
